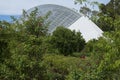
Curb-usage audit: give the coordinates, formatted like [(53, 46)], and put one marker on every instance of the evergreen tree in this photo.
[(67, 41)]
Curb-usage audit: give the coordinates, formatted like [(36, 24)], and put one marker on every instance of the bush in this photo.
[(24, 48), (59, 66), (67, 41)]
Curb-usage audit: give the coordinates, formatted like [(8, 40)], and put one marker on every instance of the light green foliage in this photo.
[(22, 42), (35, 26), (59, 66), (105, 52), (109, 67), (47, 45), (104, 60)]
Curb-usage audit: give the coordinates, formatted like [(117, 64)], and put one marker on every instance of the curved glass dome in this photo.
[(60, 15)]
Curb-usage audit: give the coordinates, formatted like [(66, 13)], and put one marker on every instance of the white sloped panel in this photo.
[(88, 29)]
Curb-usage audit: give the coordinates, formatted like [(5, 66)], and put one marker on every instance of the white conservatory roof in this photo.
[(63, 16)]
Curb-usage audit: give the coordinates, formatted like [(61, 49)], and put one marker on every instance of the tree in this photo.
[(108, 14), (105, 51), (22, 40), (85, 10), (35, 26), (67, 41), (109, 67)]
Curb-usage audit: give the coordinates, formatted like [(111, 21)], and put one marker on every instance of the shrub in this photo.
[(67, 41)]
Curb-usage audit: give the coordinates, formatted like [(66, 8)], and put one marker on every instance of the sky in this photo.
[(15, 7)]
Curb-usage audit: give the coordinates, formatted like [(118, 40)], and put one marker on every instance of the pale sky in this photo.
[(15, 7)]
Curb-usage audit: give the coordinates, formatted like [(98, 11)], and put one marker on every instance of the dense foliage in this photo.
[(27, 52), (21, 52), (67, 41), (23, 44), (109, 13)]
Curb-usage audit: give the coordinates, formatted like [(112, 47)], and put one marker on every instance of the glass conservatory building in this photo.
[(63, 16)]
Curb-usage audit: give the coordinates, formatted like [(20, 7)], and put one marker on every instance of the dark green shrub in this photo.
[(67, 41)]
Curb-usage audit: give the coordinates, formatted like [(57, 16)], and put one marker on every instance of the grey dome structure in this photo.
[(60, 15), (63, 16)]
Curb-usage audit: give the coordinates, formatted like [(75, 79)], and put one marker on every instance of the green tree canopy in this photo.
[(21, 41), (67, 41)]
